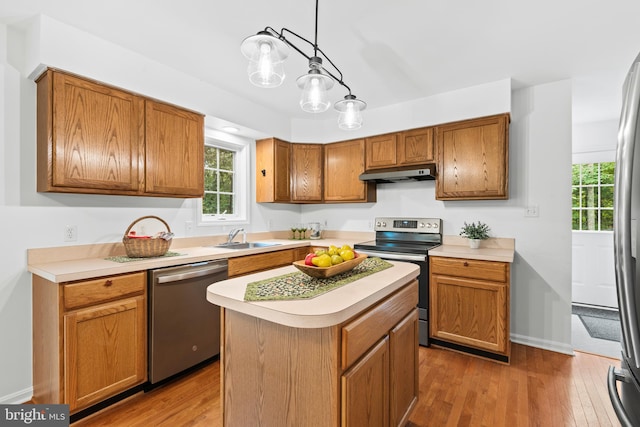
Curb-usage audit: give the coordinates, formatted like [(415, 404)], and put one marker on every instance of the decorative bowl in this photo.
[(324, 272)]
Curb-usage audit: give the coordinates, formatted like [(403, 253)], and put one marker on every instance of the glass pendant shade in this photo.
[(266, 55), (350, 117), (315, 86)]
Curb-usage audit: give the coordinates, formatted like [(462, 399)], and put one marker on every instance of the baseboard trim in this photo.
[(543, 344), (22, 396)]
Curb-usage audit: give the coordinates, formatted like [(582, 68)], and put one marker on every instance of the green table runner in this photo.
[(124, 258), (298, 285)]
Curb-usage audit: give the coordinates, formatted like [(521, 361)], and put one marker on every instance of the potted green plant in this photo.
[(475, 233)]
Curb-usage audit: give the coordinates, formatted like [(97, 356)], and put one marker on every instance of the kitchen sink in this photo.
[(247, 245)]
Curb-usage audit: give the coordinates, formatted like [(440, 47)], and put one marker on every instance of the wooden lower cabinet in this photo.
[(104, 350), (469, 306), (365, 389), (90, 339), (363, 372), (382, 388), (246, 264), (403, 373)]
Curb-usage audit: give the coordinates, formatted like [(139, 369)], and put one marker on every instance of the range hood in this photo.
[(422, 174)]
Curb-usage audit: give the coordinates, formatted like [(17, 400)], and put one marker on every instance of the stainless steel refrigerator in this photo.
[(626, 403)]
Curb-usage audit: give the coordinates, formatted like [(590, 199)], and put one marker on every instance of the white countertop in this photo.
[(502, 249), (70, 263), (328, 309), (95, 265)]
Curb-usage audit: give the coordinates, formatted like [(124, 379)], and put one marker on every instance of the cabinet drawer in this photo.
[(90, 292), (476, 269), (360, 334), (252, 263)]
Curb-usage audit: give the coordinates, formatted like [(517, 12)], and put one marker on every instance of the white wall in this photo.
[(540, 174), (540, 126), (29, 219)]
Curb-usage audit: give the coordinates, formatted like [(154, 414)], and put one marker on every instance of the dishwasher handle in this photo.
[(192, 274)]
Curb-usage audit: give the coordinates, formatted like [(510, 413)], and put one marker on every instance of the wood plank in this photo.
[(538, 388)]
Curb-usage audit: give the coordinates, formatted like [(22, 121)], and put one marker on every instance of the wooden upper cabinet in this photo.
[(407, 148), (343, 164), (273, 162), (92, 138), (174, 151), (306, 172), (473, 159), (381, 151), (415, 147)]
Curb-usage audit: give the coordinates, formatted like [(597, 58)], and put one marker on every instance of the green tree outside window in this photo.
[(592, 196), (218, 181)]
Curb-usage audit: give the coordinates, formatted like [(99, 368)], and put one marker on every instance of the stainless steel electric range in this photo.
[(409, 240)]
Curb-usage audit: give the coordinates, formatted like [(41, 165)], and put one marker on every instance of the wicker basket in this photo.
[(145, 248)]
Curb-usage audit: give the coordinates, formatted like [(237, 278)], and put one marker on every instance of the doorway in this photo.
[(595, 317)]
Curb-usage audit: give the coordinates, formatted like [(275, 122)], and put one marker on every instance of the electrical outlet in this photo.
[(188, 226), (531, 211), (70, 233)]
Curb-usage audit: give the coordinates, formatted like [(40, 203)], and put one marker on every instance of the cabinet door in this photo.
[(306, 172), (273, 163), (381, 151), (473, 159), (415, 146), (469, 312), (174, 160), (90, 136), (343, 164), (241, 265), (365, 389), (403, 374), (104, 351)]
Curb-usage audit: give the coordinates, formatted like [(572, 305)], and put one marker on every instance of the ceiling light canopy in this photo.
[(266, 52)]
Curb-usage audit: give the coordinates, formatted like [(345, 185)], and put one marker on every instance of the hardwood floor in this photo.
[(539, 388)]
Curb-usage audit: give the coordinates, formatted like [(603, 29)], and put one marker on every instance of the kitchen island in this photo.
[(346, 357)]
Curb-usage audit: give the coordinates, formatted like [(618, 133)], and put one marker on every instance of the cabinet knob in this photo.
[(108, 283), (263, 172), (466, 264)]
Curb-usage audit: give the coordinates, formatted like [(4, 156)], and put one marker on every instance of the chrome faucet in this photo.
[(233, 233)]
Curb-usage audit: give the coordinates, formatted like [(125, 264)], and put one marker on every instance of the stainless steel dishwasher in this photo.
[(184, 328)]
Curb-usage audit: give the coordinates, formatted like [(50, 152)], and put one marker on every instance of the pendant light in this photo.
[(266, 55), (314, 87), (266, 52), (350, 117)]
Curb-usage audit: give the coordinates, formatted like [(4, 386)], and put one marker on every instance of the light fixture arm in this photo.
[(267, 50), (316, 49)]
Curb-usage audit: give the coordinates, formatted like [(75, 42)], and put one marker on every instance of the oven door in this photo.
[(423, 286)]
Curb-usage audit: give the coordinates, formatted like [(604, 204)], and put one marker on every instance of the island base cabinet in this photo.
[(363, 372), (365, 389), (403, 374), (275, 375)]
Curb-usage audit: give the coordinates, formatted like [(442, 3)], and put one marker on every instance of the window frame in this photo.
[(598, 208), (241, 190)]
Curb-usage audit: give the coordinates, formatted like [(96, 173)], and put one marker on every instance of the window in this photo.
[(592, 188), (225, 182)]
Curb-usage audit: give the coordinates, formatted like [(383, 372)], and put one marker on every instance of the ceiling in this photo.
[(388, 51)]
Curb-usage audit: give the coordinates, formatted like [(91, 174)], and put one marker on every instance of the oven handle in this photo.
[(393, 256)]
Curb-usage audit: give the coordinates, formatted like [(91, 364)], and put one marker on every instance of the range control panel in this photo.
[(413, 225)]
